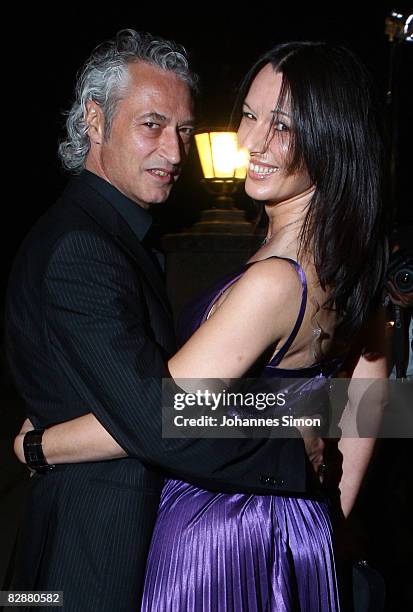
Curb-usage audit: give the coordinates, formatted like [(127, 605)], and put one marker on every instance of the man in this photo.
[(89, 330)]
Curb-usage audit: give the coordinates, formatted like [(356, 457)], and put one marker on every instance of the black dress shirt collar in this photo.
[(138, 219)]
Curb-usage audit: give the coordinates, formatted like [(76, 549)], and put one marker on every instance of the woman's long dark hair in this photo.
[(337, 136)]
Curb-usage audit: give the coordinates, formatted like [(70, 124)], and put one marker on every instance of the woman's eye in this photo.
[(280, 127), (248, 115)]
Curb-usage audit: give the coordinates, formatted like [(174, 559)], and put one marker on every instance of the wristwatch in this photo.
[(33, 451)]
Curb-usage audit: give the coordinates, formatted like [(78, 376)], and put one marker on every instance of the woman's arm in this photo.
[(224, 347), (75, 441), (367, 396), (259, 310)]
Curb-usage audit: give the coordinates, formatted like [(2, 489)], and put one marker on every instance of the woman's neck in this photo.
[(287, 213)]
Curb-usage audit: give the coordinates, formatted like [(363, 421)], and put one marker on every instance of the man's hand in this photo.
[(18, 440)]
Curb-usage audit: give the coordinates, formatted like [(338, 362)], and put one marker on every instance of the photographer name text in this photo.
[(236, 421)]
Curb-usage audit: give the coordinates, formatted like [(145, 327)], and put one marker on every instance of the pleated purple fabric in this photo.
[(220, 552), (216, 552)]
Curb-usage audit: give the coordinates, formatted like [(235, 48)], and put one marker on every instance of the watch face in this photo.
[(32, 458), (33, 452)]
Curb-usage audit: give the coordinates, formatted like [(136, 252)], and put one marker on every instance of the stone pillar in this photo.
[(218, 244)]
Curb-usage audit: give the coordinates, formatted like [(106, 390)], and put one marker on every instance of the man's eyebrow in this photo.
[(189, 121), (153, 115)]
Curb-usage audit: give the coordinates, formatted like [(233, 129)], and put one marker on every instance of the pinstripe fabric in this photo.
[(87, 532), (88, 327)]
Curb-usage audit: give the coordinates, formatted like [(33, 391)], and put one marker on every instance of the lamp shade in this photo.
[(220, 156)]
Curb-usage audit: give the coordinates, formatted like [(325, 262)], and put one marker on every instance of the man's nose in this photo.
[(171, 147)]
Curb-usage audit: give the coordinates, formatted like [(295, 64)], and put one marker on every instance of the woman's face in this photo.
[(265, 131)]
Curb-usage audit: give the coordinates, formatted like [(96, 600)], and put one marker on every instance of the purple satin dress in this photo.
[(220, 552)]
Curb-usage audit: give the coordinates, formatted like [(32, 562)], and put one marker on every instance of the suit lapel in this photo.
[(101, 210), (137, 251)]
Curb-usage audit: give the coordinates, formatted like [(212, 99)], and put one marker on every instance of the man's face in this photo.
[(149, 138)]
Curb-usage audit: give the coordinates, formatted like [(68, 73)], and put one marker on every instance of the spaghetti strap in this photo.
[(283, 350)]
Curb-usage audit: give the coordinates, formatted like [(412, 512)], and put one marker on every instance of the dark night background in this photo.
[(223, 43)]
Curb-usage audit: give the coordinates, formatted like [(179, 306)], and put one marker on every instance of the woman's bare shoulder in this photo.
[(276, 277)]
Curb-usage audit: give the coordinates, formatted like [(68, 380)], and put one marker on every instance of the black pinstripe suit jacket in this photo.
[(88, 328)]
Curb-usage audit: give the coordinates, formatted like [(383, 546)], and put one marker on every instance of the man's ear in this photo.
[(95, 122)]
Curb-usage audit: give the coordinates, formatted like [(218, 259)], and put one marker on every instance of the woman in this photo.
[(299, 304)]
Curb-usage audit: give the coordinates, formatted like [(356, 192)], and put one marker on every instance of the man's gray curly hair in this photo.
[(104, 79)]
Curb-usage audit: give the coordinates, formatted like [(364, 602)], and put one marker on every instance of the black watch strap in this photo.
[(33, 451)]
